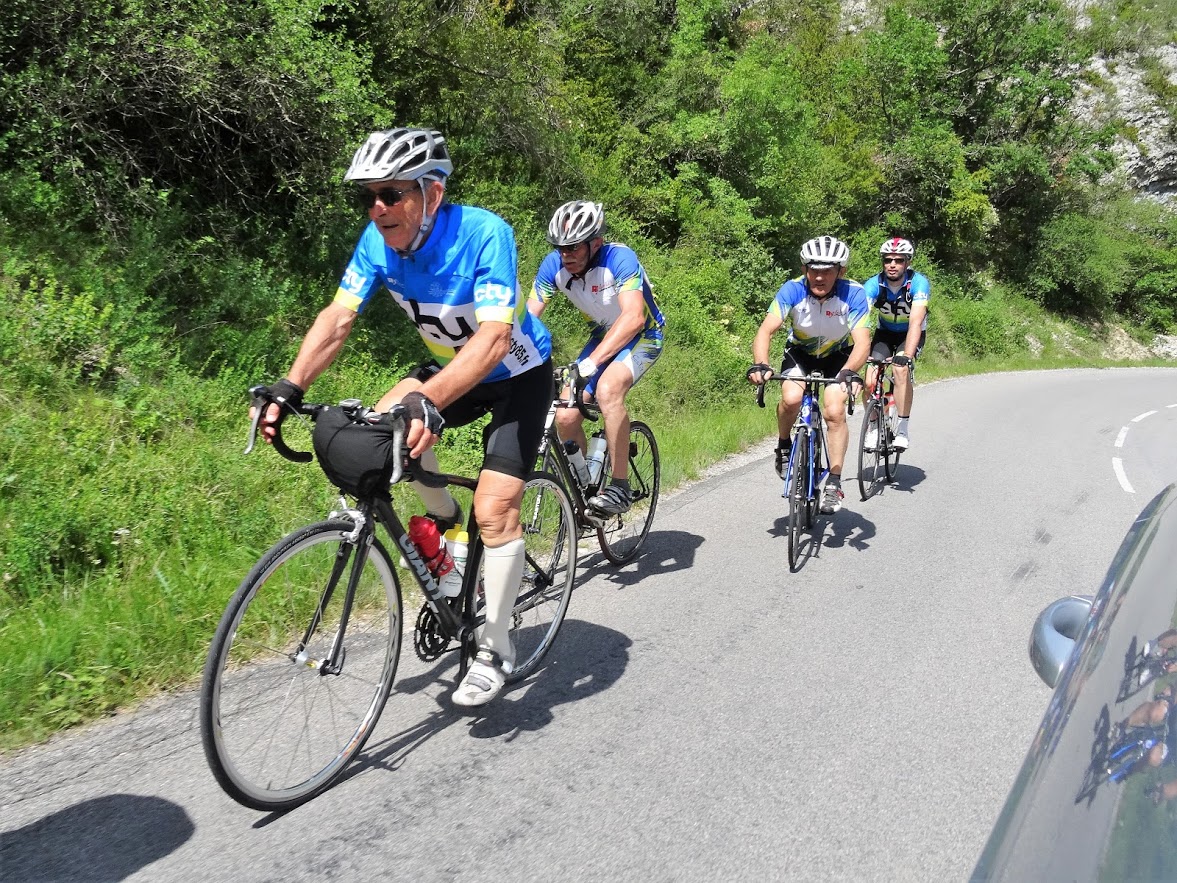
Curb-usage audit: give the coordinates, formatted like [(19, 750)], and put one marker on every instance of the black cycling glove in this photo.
[(758, 367), (901, 360), (286, 393), (848, 377), (420, 407)]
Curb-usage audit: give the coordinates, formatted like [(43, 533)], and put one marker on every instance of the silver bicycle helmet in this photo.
[(400, 155), (897, 245), (825, 251), (576, 222)]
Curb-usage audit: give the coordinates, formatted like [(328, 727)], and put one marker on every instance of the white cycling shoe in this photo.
[(483, 682)]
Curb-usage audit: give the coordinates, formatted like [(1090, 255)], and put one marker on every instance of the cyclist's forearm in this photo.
[(619, 334), (914, 329), (321, 344), (474, 361), (763, 341), (860, 352)]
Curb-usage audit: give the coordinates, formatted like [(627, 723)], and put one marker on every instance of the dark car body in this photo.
[(1096, 797)]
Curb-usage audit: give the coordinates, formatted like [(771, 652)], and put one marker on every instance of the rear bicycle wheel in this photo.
[(549, 571), (795, 486), (870, 462), (278, 724), (622, 535)]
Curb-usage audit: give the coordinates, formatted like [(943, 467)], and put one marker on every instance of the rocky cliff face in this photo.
[(1120, 92)]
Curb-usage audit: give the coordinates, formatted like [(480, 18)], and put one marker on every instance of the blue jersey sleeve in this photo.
[(495, 284), (363, 274), (544, 286)]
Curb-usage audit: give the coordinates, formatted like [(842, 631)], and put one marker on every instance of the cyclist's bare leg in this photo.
[(787, 407), (871, 371), (570, 424), (437, 500), (837, 432), (496, 506), (904, 391), (612, 386)]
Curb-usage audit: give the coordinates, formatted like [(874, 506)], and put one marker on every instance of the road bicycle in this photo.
[(881, 414), (809, 459), (303, 659), (621, 536)]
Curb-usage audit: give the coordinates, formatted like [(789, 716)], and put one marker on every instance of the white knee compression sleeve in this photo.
[(501, 572)]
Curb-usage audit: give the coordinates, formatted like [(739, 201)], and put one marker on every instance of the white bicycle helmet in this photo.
[(400, 155), (897, 245), (576, 222), (825, 251)]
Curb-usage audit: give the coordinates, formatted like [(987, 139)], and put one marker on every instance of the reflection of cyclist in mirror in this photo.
[(452, 269), (605, 281), (1144, 739), (1158, 657), (828, 334), (901, 297)]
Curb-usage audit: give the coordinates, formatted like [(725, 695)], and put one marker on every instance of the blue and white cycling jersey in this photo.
[(895, 306), (463, 275), (614, 269), (821, 327)]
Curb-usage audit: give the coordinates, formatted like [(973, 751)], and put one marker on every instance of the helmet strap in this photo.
[(427, 220)]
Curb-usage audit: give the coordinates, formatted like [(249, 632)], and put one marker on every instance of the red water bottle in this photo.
[(427, 538)]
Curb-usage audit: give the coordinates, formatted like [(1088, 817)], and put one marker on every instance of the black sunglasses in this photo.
[(390, 196), (894, 260)]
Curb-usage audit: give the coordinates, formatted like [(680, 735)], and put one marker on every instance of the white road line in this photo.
[(1118, 466), (1171, 406), (1120, 438), (1142, 416)]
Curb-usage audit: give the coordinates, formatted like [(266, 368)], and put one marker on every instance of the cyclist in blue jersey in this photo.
[(901, 297), (828, 333), (452, 269), (605, 281)]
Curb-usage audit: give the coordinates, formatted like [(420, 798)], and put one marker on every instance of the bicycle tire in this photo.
[(796, 488), (814, 487), (891, 453), (870, 461), (277, 730), (550, 540), (621, 536)]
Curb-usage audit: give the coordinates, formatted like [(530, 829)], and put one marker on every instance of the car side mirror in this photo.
[(1055, 631)]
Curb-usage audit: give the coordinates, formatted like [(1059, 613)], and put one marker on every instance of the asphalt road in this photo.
[(706, 714)]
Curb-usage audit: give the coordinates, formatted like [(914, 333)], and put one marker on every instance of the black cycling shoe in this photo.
[(782, 461)]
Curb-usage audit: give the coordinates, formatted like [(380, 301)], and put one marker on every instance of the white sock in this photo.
[(437, 500), (502, 569), (902, 427)]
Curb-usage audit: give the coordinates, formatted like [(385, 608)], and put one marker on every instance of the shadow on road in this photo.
[(104, 838), (585, 659), (665, 551)]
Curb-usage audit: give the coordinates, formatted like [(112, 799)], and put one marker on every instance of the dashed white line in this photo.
[(1120, 438), (1140, 417), (1118, 466)]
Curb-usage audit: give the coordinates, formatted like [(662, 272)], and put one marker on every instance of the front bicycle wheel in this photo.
[(550, 540), (280, 717), (798, 475), (890, 453), (621, 536), (869, 462)]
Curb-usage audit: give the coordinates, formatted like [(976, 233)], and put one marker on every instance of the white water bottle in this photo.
[(457, 543), (596, 458), (576, 459)]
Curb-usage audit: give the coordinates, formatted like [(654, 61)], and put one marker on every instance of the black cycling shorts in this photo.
[(885, 344), (518, 407), (827, 365)]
